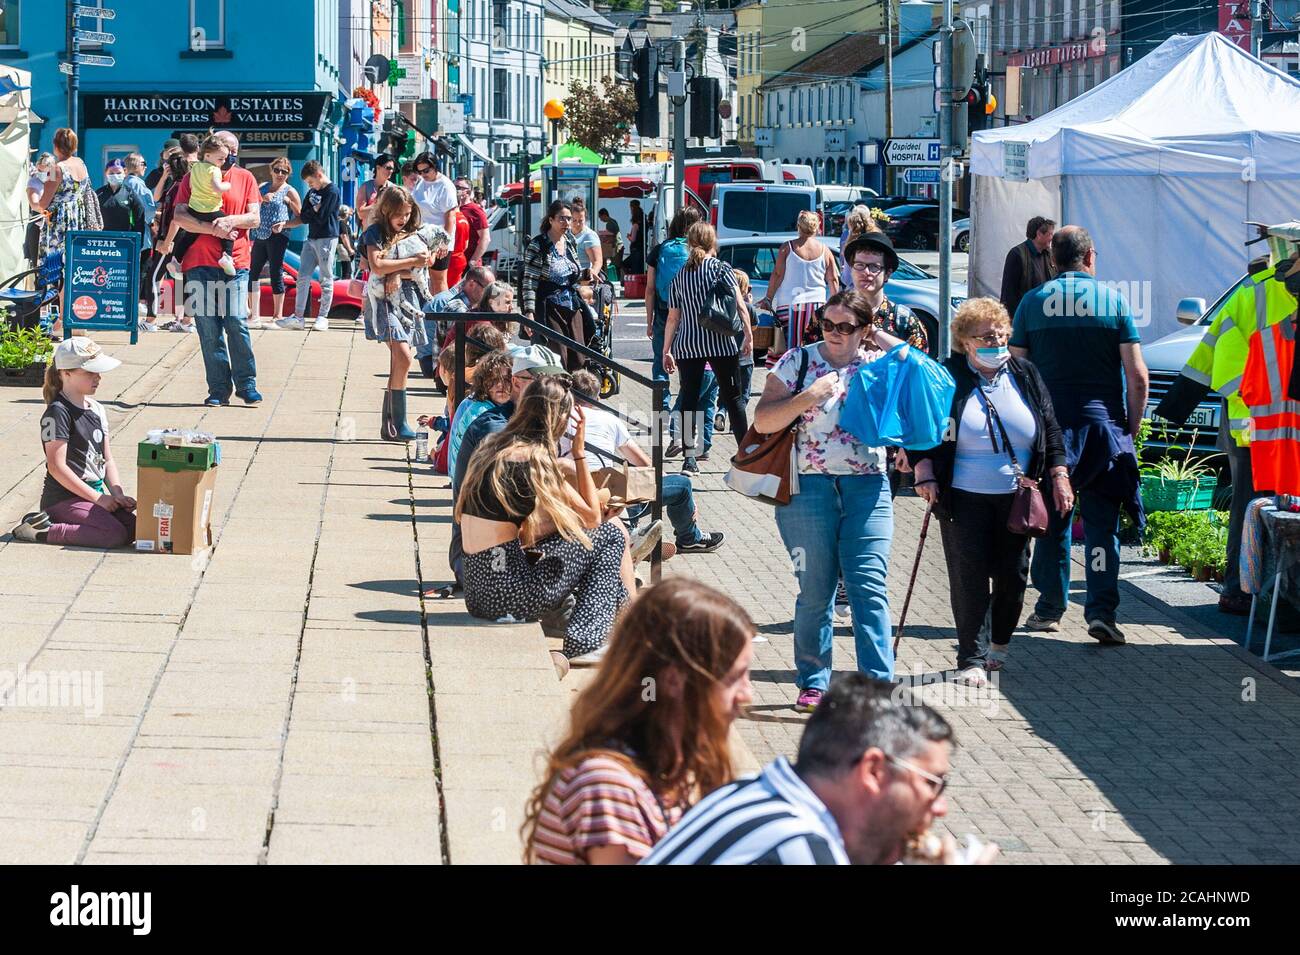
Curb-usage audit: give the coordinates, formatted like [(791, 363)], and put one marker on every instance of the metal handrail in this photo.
[(547, 334)]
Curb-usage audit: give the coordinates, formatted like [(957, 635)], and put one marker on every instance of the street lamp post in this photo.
[(554, 111)]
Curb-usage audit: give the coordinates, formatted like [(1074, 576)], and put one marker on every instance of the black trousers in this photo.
[(727, 370), (979, 549), (269, 252)]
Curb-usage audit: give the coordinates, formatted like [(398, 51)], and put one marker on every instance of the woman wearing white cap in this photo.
[(82, 503)]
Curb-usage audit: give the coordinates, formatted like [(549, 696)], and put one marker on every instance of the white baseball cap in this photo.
[(83, 353), (536, 358)]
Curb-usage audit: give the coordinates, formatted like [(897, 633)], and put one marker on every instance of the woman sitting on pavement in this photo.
[(842, 520), (631, 762), (82, 503), (608, 440), (514, 496), (1001, 409)]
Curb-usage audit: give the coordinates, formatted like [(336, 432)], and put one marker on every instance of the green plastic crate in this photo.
[(178, 459), (1161, 495)]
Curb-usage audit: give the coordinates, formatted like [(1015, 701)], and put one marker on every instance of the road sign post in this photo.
[(947, 147)]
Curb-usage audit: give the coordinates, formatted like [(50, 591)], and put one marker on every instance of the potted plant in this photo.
[(24, 353), (1178, 484)]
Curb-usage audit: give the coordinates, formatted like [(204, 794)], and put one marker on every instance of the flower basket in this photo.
[(33, 376), (1160, 494)]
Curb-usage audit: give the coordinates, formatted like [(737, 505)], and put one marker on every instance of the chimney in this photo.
[(654, 8)]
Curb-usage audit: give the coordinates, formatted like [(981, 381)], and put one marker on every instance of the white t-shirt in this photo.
[(605, 432), (435, 200), (823, 446), (977, 466)]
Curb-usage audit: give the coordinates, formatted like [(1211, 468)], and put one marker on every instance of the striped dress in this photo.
[(689, 293), (599, 802)]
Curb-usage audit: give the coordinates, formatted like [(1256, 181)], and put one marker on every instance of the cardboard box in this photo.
[(174, 510)]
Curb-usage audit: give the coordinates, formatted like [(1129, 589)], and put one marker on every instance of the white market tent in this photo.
[(16, 118), (1163, 164)]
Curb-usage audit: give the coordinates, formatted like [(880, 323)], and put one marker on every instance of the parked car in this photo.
[(961, 235), (759, 209), (916, 226), (1165, 359), (344, 306), (910, 285)]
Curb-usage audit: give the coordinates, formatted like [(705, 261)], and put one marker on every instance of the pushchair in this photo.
[(24, 304), (601, 311)]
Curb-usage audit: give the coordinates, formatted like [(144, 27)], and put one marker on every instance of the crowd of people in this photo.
[(1050, 388)]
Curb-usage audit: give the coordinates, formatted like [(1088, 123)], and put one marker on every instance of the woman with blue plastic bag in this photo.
[(841, 521), (1003, 430)]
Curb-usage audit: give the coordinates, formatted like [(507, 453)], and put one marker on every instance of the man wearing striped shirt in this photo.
[(870, 775)]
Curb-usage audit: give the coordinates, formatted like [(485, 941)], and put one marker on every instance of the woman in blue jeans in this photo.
[(842, 520)]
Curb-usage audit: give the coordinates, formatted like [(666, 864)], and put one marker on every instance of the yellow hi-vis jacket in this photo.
[(1220, 357)]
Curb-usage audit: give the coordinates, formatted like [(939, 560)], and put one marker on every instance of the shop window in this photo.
[(8, 22), (207, 25)]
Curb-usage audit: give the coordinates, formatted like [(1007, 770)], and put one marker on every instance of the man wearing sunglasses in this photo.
[(869, 778), (435, 194)]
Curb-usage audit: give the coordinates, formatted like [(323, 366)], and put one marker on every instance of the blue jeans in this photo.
[(657, 346), (679, 505), (1050, 568), (219, 305), (709, 404), (840, 525), (316, 253)]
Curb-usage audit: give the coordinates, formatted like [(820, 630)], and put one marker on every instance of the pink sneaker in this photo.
[(808, 700)]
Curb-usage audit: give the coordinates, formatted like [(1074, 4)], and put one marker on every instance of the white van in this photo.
[(739, 211)]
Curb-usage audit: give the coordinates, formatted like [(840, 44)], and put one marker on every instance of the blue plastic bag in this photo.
[(902, 400)]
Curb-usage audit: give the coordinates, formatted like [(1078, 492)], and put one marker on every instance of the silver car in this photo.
[(910, 285)]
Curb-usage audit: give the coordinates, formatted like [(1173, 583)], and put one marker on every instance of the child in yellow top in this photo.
[(207, 192)]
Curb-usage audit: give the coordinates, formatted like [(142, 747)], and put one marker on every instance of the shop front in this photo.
[(269, 125)]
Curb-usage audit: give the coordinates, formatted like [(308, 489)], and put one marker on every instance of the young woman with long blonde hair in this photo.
[(513, 499), (648, 737)]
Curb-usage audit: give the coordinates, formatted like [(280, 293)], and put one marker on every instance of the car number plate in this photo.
[(1203, 417)]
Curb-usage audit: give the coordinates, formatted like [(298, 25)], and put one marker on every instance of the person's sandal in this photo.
[(996, 659), (445, 592)]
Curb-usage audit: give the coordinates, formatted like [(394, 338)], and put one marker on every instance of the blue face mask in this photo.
[(993, 357)]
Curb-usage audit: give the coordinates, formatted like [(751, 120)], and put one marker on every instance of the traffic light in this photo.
[(645, 80), (706, 96), (980, 101)]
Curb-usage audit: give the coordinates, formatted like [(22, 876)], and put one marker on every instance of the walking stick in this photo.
[(916, 565)]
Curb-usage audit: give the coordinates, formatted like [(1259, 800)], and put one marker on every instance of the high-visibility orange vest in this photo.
[(1274, 418)]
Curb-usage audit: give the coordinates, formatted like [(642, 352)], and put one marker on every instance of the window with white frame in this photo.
[(207, 24)]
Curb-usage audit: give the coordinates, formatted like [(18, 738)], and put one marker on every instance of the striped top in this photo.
[(599, 802), (769, 819), (689, 293)]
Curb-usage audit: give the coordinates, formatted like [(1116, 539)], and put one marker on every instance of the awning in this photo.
[(474, 150), (570, 152), (611, 187)]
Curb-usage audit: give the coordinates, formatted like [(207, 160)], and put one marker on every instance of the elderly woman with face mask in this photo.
[(1005, 432)]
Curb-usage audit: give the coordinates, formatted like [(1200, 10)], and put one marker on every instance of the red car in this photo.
[(345, 304)]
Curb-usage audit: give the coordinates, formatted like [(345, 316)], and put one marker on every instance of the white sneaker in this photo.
[(256, 323), (322, 324), (290, 323), (181, 328), (590, 659), (147, 326), (227, 264), (174, 270)]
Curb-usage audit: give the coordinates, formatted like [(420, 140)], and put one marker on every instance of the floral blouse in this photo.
[(901, 322), (823, 447)]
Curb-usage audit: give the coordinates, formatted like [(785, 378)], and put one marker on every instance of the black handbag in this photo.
[(720, 313)]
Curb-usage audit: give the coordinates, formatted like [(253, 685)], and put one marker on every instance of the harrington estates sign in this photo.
[(202, 110)]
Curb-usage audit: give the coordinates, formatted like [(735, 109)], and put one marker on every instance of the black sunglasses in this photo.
[(844, 328), (423, 169)]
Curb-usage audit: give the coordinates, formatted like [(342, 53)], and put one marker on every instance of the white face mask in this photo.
[(116, 180)]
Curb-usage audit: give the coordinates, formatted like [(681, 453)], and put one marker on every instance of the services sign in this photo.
[(101, 282), (237, 111)]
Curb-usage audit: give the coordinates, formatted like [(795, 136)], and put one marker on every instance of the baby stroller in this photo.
[(601, 312), (25, 305)]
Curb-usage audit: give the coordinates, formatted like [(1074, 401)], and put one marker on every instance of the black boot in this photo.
[(401, 430), (386, 430), (426, 366)]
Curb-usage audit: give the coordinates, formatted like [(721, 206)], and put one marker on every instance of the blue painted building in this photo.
[(269, 72)]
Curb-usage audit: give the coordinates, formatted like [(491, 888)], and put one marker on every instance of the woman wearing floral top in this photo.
[(841, 521)]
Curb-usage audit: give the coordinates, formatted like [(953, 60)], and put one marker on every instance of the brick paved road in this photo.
[(1173, 748)]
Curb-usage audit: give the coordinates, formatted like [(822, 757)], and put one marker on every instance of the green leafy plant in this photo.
[(1192, 539), (1171, 468), (22, 347)]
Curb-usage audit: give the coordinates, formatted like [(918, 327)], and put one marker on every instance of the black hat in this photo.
[(876, 242)]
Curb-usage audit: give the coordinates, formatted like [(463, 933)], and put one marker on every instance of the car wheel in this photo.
[(919, 241), (344, 312), (963, 242)]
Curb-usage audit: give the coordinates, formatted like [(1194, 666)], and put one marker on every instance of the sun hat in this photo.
[(83, 353)]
